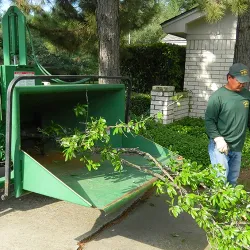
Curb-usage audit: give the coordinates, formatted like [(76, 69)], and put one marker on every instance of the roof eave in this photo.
[(178, 25)]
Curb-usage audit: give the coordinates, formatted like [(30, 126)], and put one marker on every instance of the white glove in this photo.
[(221, 145)]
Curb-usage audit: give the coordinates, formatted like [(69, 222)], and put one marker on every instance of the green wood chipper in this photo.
[(28, 103)]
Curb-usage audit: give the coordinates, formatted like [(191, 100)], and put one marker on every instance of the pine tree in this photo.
[(77, 25), (107, 17)]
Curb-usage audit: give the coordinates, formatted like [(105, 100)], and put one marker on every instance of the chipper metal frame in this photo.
[(49, 174)]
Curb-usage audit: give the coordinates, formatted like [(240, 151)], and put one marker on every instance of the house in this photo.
[(209, 54), (174, 40)]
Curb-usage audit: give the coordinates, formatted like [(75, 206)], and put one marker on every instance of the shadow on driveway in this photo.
[(149, 226)]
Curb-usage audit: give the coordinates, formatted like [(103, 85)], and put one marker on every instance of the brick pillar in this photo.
[(161, 98)]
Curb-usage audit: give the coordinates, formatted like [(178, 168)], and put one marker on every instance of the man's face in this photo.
[(234, 84)]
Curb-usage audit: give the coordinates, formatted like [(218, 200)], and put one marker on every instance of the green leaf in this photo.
[(159, 116), (175, 210)]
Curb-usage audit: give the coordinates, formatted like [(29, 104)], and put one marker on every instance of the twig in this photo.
[(146, 155), (145, 170)]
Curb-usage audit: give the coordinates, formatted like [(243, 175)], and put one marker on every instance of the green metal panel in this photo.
[(22, 39), (6, 40), (38, 179), (7, 75), (70, 88), (156, 150), (56, 103), (14, 33), (16, 145), (124, 199), (2, 182), (71, 181), (104, 189)]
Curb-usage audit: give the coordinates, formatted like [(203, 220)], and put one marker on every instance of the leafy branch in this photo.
[(221, 210)]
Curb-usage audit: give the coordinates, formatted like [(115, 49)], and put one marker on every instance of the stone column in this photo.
[(161, 98)]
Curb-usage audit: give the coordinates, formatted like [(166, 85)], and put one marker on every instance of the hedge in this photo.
[(157, 64), (140, 104), (186, 137)]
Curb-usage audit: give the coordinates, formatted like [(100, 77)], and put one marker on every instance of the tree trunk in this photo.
[(242, 48), (107, 17)]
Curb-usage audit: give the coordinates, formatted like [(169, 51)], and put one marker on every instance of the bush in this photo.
[(140, 104), (187, 137), (157, 64), (246, 152), (60, 62)]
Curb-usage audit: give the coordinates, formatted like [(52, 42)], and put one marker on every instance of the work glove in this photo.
[(221, 145)]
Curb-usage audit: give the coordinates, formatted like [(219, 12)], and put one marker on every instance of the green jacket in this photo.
[(227, 115)]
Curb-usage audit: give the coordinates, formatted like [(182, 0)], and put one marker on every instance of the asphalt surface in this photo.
[(36, 222)]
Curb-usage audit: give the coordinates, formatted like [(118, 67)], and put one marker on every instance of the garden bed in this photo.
[(188, 138)]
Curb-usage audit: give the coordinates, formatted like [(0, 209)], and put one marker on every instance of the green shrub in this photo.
[(188, 138), (157, 64), (188, 141), (189, 121), (140, 104), (246, 152)]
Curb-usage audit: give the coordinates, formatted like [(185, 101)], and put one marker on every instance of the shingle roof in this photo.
[(176, 17)]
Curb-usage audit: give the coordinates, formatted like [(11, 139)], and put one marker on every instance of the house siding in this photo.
[(209, 54), (162, 102)]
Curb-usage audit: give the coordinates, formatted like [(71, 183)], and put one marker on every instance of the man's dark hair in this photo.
[(229, 75)]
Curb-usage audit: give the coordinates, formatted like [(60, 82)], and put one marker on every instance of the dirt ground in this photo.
[(244, 178), (245, 174)]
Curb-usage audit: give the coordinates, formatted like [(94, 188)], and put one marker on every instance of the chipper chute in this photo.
[(33, 165)]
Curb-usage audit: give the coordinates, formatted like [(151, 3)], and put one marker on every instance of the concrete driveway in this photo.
[(38, 222)]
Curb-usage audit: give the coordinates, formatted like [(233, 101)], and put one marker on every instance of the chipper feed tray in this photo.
[(29, 105), (49, 174)]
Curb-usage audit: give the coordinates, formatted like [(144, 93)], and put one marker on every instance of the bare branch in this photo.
[(144, 169)]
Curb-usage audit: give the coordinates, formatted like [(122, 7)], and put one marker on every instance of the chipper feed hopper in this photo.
[(28, 104)]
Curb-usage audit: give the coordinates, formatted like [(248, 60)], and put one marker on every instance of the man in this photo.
[(226, 121)]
